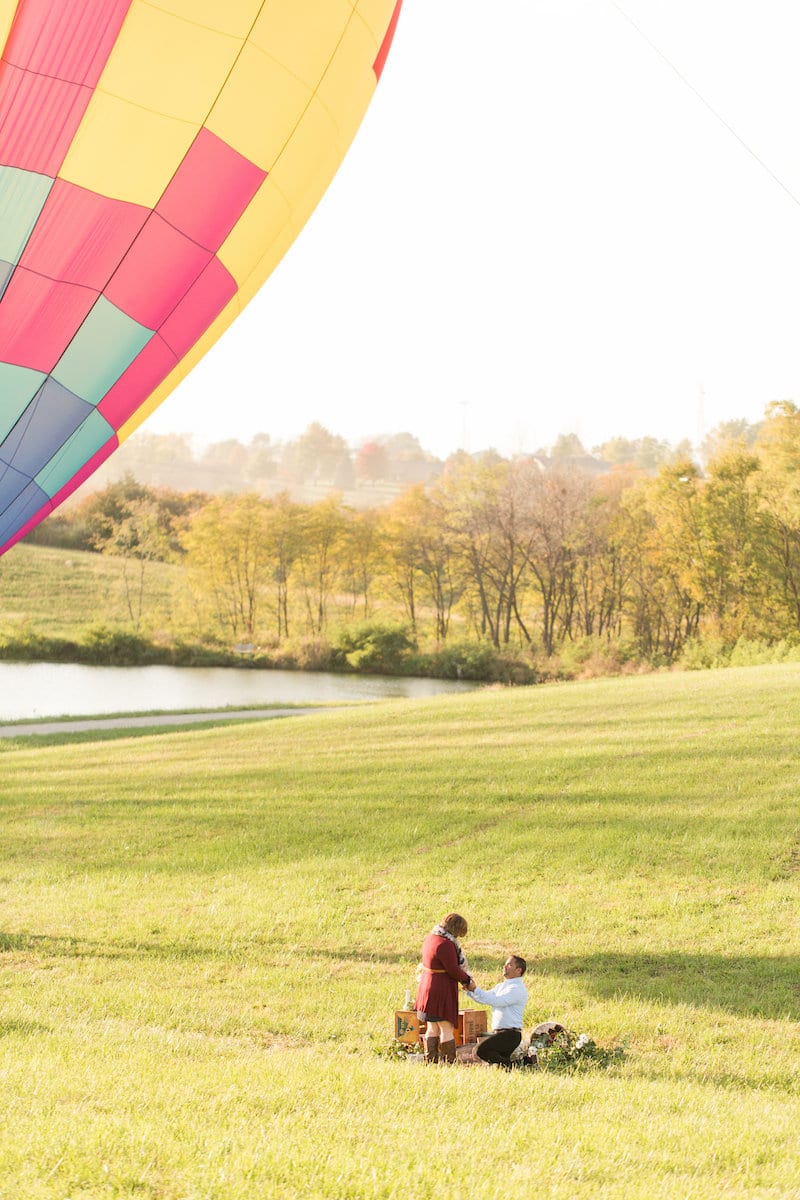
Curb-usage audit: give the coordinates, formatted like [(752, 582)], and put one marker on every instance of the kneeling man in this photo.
[(508, 1002)]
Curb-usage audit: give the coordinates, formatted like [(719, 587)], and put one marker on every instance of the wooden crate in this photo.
[(407, 1026), (471, 1022), (409, 1029)]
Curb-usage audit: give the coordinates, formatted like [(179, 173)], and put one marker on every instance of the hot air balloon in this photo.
[(157, 159)]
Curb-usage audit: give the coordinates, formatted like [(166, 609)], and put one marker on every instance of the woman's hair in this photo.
[(455, 924)]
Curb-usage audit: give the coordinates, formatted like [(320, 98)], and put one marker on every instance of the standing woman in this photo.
[(443, 969)]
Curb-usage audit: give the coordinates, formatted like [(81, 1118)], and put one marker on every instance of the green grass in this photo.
[(60, 592), (214, 712), (204, 934)]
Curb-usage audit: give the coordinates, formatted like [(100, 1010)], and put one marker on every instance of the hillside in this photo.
[(61, 592), (204, 936)]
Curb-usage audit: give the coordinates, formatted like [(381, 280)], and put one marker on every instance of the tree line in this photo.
[(319, 461), (525, 557)]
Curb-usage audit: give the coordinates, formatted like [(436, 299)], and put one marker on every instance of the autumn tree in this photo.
[(401, 554), (372, 462), (230, 454), (603, 565), (323, 527), (434, 555), (139, 536), (662, 529), (472, 496), (362, 553), (567, 445), (553, 506), (104, 510), (283, 533), (227, 553), (645, 453), (734, 536), (727, 435), (318, 456), (262, 459), (778, 449)]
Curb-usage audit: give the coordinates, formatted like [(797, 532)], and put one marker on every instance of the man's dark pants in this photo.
[(498, 1047)]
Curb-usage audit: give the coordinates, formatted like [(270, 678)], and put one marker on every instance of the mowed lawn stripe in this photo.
[(204, 935)]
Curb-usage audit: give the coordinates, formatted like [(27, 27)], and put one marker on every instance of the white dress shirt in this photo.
[(508, 1002)]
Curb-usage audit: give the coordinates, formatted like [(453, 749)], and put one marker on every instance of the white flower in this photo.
[(582, 1041)]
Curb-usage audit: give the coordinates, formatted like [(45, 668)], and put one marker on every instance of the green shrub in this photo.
[(590, 657), (700, 654), (299, 654), (473, 660), (26, 645), (61, 532), (707, 653), (190, 654), (118, 648), (375, 647), (752, 654)]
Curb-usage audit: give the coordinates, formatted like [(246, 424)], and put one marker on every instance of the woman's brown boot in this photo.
[(431, 1049), (447, 1051)]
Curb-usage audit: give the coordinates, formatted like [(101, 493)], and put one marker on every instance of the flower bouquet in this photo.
[(553, 1047)]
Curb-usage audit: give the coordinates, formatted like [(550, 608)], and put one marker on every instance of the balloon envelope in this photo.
[(157, 159)]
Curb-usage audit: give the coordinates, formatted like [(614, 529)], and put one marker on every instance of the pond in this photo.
[(31, 690)]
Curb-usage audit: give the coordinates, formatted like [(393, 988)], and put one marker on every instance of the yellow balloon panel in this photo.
[(7, 10), (268, 213), (280, 32), (269, 261), (376, 15), (125, 151), (308, 162), (187, 64), (258, 107), (290, 191), (234, 17), (349, 82)]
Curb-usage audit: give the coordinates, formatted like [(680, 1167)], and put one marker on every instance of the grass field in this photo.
[(204, 934), (59, 592)]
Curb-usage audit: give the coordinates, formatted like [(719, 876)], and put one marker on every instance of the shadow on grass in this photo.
[(366, 956), (181, 951), (23, 1028), (750, 986), (747, 985), (77, 947), (42, 741)]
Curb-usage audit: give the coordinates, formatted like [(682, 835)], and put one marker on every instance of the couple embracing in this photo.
[(443, 968)]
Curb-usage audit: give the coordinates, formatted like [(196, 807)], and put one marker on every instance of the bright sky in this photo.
[(539, 229)]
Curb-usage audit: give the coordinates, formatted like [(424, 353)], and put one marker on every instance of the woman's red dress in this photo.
[(437, 993)]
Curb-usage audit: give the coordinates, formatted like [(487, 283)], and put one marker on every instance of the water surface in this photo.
[(31, 690)]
